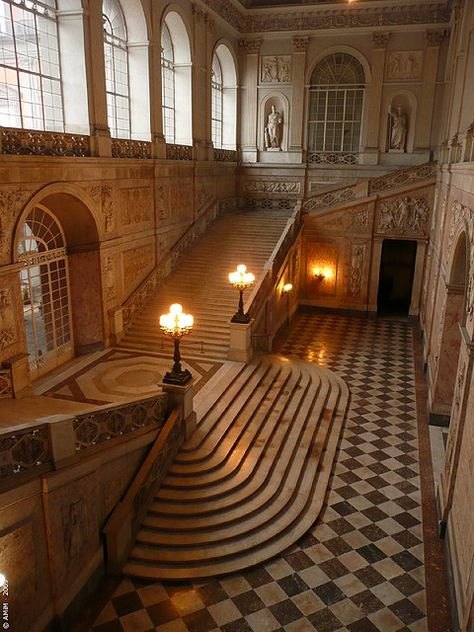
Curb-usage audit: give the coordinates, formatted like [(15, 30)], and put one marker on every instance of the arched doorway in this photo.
[(452, 318), (57, 245), (397, 269), (44, 281)]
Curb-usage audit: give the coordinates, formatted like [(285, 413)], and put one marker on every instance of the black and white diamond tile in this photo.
[(361, 567)]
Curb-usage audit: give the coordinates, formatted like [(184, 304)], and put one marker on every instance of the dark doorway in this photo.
[(397, 267)]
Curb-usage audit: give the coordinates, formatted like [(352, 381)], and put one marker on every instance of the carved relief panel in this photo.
[(403, 216), (404, 65), (136, 205), (356, 269), (137, 263), (276, 69)]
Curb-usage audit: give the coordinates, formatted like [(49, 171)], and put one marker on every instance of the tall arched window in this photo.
[(30, 76), (336, 101), (116, 70), (167, 83), (176, 80), (217, 88), (45, 291), (224, 99)]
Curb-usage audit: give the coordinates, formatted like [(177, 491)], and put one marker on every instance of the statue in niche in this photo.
[(273, 130), (398, 132)]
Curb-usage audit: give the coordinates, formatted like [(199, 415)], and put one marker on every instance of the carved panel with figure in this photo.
[(136, 205), (137, 262), (405, 65), (276, 69), (404, 216)]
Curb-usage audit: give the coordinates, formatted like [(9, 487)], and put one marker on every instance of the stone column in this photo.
[(425, 107), (417, 279), (374, 98), (201, 79), (374, 274), (249, 99), (298, 63), (100, 132), (156, 112)]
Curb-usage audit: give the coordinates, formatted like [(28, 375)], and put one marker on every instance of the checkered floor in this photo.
[(361, 567)]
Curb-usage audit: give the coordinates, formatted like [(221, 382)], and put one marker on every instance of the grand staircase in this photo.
[(252, 478), (200, 282)]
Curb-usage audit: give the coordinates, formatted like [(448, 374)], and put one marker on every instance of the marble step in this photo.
[(271, 445)]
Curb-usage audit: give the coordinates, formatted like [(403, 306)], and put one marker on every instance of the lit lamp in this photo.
[(241, 280), (322, 274), (175, 325), (286, 289)]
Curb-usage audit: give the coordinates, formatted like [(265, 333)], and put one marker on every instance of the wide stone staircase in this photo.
[(252, 478), (200, 282)]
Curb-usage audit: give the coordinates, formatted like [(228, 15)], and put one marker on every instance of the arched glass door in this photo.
[(45, 291)]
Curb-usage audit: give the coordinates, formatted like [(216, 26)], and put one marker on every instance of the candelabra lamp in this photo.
[(241, 280), (175, 325)]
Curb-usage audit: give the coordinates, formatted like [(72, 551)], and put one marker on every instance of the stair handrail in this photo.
[(370, 186), (128, 514), (165, 266), (272, 265)]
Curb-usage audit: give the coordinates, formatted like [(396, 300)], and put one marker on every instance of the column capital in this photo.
[(435, 37), (380, 39), (252, 46), (300, 44)]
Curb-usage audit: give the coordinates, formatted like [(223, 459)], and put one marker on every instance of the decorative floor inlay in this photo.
[(121, 375), (361, 567)]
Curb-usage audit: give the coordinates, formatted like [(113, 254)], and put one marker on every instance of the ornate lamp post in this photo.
[(175, 325), (241, 280)]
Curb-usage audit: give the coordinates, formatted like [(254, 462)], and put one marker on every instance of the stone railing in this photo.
[(179, 152), (271, 268), (269, 203), (225, 155), (371, 186), (123, 148), (92, 429), (333, 158), (25, 450), (40, 143), (32, 449), (129, 513), (6, 384), (402, 177), (164, 268)]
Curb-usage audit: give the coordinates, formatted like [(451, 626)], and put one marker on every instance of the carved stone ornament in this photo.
[(137, 205), (356, 269), (125, 148), (102, 194), (7, 320), (11, 203), (435, 38), (276, 69), (300, 44), (74, 522), (405, 215), (405, 65), (252, 46), (109, 279), (457, 398), (271, 186), (380, 40), (462, 214), (40, 143)]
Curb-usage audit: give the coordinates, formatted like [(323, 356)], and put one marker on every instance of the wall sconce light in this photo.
[(286, 288), (175, 325), (322, 274)]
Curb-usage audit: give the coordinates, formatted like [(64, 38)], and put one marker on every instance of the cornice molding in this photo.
[(329, 17)]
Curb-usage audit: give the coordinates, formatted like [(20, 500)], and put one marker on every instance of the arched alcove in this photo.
[(274, 105), (407, 102), (65, 272)]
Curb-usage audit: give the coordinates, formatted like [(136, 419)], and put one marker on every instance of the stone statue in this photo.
[(398, 133), (272, 130)]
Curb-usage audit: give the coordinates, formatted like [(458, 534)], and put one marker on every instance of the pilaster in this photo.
[(374, 97), (249, 107), (295, 142), (425, 109)]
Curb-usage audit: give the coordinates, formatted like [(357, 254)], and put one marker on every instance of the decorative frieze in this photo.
[(136, 205), (99, 426), (276, 69), (402, 177), (330, 198), (40, 143), (252, 46), (122, 148), (405, 215), (179, 152), (405, 65), (269, 203), (24, 450), (333, 158), (271, 186)]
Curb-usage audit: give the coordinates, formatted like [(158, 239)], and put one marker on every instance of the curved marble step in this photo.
[(253, 477)]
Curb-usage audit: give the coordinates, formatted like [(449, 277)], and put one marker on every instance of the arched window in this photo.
[(167, 83), (176, 80), (30, 76), (224, 99), (216, 109), (116, 70), (336, 101), (45, 291)]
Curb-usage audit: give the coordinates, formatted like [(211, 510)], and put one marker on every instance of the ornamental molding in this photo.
[(320, 18), (271, 186), (252, 46)]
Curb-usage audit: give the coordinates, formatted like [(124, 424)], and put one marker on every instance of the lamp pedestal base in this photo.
[(240, 348), (181, 396), (179, 378)]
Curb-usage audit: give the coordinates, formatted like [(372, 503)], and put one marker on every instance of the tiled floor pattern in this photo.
[(361, 567), (121, 375)]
